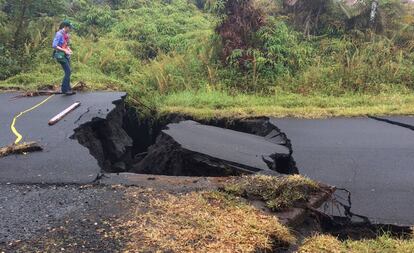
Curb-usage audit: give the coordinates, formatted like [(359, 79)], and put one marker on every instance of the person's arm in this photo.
[(70, 50), (66, 51)]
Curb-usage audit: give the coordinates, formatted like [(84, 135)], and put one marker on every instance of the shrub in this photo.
[(161, 28), (8, 65), (95, 20)]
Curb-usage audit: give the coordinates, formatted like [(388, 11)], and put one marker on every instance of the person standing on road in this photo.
[(62, 53)]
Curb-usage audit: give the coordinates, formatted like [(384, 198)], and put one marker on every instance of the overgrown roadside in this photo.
[(174, 218), (167, 54)]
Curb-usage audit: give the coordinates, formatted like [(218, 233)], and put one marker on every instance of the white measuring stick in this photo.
[(60, 116)]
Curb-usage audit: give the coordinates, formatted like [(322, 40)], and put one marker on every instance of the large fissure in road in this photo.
[(177, 145)]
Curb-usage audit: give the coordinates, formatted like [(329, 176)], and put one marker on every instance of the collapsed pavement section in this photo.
[(193, 149), (127, 143), (104, 135)]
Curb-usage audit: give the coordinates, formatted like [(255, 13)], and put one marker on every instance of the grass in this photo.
[(200, 222), (279, 193), (220, 104), (383, 244), (209, 104)]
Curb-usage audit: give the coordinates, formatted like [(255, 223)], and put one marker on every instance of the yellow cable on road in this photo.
[(13, 129)]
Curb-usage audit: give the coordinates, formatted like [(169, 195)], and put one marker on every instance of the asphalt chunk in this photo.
[(189, 148)]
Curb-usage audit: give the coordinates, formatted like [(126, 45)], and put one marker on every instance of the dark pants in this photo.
[(66, 79)]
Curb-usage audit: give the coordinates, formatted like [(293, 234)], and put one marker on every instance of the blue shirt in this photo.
[(59, 39)]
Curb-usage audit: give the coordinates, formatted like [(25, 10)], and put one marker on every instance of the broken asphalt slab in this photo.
[(193, 149), (372, 159), (63, 159)]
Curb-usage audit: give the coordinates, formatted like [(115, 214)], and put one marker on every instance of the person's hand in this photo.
[(68, 51)]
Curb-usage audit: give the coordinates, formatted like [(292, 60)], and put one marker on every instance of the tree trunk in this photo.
[(374, 10), (20, 23)]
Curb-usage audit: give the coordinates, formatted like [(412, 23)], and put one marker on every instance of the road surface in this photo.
[(63, 159), (373, 159)]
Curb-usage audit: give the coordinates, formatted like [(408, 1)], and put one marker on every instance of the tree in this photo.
[(21, 12), (240, 24), (16, 16), (316, 17)]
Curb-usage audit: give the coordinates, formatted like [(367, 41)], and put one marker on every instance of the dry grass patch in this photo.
[(321, 244), (279, 193), (200, 222), (330, 244)]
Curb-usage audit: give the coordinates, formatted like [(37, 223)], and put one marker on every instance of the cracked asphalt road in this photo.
[(373, 159), (63, 159)]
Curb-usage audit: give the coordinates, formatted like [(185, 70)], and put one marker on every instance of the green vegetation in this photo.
[(149, 46), (193, 57)]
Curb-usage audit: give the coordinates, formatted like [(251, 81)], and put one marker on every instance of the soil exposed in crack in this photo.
[(107, 140)]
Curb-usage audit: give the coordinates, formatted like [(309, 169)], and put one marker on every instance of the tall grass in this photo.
[(345, 65)]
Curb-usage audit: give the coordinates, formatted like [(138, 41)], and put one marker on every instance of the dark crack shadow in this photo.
[(80, 117), (393, 122), (122, 141)]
